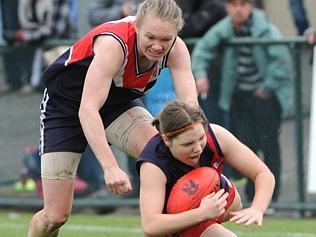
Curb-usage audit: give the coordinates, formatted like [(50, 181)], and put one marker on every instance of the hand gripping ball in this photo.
[(190, 189)]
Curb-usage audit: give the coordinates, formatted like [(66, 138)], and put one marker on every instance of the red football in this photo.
[(189, 190)]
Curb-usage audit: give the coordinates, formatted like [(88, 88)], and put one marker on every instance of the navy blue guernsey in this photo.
[(156, 152)]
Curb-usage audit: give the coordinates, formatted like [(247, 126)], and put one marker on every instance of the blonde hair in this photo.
[(165, 10)]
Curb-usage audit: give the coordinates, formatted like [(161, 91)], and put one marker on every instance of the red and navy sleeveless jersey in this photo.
[(158, 153), (65, 77)]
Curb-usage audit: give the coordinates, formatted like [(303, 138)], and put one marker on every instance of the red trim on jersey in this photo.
[(128, 76), (133, 78), (217, 161), (84, 47)]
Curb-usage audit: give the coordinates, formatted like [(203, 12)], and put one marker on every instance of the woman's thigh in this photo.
[(58, 170), (131, 131)]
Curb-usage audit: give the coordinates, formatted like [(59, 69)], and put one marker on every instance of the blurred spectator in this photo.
[(200, 16), (64, 26), (33, 21), (299, 15), (15, 75), (255, 82), (110, 10), (310, 34), (25, 24)]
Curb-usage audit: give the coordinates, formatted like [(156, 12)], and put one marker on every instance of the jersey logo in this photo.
[(191, 187), (216, 164)]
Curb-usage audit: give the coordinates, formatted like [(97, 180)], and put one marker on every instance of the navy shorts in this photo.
[(61, 132)]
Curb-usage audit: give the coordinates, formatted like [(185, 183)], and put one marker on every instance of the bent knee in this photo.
[(55, 221)]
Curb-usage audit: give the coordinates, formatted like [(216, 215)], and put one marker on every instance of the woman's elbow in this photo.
[(83, 113), (149, 231), (272, 178), (267, 176)]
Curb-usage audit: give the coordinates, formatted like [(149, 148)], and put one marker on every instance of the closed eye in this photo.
[(166, 40), (202, 137)]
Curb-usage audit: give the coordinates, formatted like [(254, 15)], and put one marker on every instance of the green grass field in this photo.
[(14, 224)]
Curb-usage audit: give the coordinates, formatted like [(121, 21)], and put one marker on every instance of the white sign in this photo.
[(311, 179)]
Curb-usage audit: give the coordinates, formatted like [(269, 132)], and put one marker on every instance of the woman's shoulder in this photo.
[(155, 152), (217, 129), (151, 147), (220, 132), (179, 45), (178, 51)]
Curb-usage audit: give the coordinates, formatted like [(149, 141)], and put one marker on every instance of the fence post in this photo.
[(298, 125)]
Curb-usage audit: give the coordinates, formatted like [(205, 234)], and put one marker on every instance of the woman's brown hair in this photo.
[(178, 116)]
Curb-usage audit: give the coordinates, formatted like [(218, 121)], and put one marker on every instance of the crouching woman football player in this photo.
[(186, 141)]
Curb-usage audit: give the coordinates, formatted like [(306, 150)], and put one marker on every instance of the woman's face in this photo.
[(188, 146), (155, 37)]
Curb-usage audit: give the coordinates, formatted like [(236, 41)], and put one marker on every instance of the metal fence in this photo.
[(19, 127), (295, 128)]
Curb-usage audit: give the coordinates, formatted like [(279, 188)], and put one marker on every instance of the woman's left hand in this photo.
[(247, 216)]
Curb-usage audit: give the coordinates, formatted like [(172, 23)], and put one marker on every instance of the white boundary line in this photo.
[(134, 230)]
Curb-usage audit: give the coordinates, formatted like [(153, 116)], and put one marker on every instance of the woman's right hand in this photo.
[(117, 181), (213, 205)]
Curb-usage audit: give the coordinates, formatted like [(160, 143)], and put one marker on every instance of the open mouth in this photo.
[(155, 54), (195, 157)]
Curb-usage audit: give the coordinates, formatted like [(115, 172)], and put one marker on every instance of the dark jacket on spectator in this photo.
[(200, 15)]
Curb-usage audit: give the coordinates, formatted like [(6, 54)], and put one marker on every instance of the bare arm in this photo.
[(106, 62), (179, 64), (249, 164), (152, 198)]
